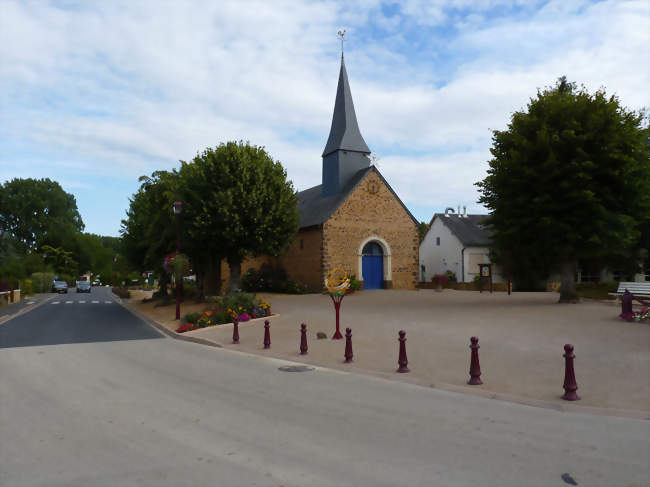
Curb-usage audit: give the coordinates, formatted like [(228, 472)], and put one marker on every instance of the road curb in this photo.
[(163, 329)]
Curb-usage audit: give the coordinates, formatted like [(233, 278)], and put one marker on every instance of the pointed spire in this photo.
[(344, 134)]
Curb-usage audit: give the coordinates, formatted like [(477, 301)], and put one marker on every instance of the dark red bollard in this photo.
[(402, 360), (626, 304), (474, 366), (303, 339), (348, 346), (267, 334), (570, 384), (235, 330)]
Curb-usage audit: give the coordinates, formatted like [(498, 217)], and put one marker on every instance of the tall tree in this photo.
[(148, 232), (569, 180), (243, 204), (39, 212)]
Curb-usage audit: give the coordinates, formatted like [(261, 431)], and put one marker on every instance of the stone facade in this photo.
[(371, 211), (303, 259)]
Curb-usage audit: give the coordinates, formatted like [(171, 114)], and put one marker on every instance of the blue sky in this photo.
[(96, 94)]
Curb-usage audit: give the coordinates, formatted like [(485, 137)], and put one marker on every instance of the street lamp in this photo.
[(178, 208)]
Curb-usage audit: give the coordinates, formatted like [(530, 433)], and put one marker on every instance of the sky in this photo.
[(94, 94)]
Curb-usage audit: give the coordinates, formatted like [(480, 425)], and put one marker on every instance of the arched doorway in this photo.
[(372, 266)]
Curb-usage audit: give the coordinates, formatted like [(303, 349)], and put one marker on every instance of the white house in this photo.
[(458, 243)]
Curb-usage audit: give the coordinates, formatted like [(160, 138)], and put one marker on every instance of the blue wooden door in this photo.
[(372, 266)]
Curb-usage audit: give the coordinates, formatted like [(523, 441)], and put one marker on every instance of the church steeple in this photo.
[(345, 152)]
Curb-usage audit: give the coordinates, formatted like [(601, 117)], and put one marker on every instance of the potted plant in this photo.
[(439, 280)]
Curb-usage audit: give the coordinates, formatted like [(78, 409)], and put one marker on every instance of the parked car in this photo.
[(60, 287), (83, 287), (97, 282)]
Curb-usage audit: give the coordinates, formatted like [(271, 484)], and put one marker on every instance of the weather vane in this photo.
[(341, 35)]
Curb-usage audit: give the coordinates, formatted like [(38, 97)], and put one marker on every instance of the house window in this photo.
[(437, 240), (302, 244)]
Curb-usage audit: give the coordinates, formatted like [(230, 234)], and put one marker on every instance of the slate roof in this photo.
[(316, 209), (344, 133), (468, 229)]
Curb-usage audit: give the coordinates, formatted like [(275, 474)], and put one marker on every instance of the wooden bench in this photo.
[(638, 289)]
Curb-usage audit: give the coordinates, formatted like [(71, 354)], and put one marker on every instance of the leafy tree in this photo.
[(39, 212), (423, 228), (148, 232), (237, 202), (569, 180)]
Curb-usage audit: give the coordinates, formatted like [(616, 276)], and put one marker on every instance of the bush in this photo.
[(26, 287), (239, 302), (42, 283), (189, 289), (354, 283), (451, 277), (121, 292), (192, 317), (273, 279)]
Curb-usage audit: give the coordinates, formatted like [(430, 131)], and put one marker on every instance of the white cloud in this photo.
[(135, 86)]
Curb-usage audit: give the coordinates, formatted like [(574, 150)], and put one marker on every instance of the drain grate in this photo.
[(295, 368)]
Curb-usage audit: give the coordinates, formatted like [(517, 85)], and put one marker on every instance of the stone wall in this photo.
[(372, 210), (302, 261)]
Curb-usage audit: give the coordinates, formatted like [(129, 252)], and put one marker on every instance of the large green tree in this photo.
[(148, 232), (569, 179), (238, 202), (39, 212)]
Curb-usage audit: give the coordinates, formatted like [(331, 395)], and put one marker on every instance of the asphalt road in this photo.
[(92, 396)]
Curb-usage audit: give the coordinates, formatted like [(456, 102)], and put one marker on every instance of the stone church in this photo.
[(353, 220)]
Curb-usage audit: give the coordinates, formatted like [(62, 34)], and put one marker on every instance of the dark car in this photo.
[(83, 287), (60, 287)]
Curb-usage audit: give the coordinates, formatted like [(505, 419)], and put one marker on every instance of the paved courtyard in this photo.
[(521, 338)]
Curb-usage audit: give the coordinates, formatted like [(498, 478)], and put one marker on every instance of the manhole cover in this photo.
[(295, 368)]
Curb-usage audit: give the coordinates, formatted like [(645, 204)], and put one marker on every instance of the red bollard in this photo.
[(570, 385), (402, 360), (235, 330), (303, 339), (348, 346), (474, 366), (267, 334)]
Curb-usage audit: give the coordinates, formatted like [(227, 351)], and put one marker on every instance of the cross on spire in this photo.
[(341, 35)]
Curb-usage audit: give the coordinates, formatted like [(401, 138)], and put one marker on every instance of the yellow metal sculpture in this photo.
[(337, 281)]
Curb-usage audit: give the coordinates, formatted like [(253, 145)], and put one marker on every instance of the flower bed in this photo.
[(240, 306), (638, 316)]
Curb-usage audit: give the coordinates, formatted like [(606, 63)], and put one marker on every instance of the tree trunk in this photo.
[(200, 285), (212, 279), (568, 283), (235, 273)]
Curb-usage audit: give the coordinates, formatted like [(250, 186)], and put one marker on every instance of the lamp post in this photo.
[(178, 208)]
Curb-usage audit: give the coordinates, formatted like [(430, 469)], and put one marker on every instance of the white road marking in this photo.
[(68, 302), (31, 302), (95, 302), (55, 302), (82, 302), (108, 302)]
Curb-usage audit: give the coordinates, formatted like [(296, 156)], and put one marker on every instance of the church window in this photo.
[(437, 240)]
